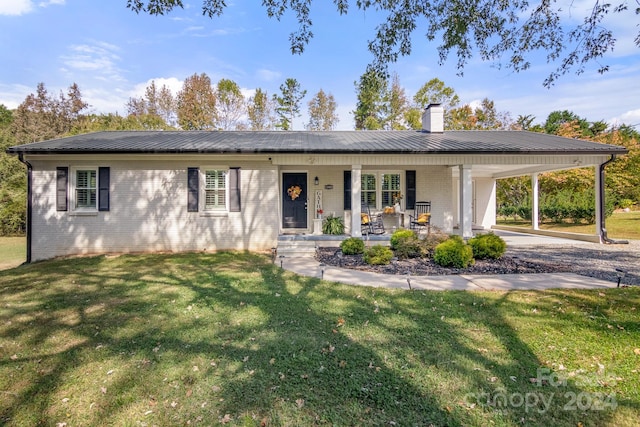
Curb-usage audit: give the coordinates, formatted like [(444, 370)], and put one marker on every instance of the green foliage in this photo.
[(454, 252), (322, 112), (378, 255), (333, 225), (352, 246), (487, 246), (288, 104), (406, 244), (626, 203), (370, 90)]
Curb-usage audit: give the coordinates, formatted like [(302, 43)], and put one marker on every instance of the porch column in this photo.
[(356, 206), (599, 200), (466, 202), (535, 202)]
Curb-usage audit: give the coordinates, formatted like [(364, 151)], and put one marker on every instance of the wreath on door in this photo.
[(294, 191)]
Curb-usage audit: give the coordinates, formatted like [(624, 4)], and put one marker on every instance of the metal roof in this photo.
[(333, 142)]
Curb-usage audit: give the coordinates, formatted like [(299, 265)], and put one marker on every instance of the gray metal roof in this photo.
[(359, 142)]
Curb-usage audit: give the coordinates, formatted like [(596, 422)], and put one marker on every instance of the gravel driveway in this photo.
[(594, 260)]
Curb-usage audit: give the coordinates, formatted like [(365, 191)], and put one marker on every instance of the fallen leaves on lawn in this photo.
[(340, 322), (637, 351)]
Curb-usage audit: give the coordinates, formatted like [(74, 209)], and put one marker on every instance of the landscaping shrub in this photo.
[(378, 255), (487, 246), (333, 225), (406, 244), (352, 246), (432, 240), (454, 253)]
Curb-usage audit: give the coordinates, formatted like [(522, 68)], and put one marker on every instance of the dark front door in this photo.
[(294, 200)]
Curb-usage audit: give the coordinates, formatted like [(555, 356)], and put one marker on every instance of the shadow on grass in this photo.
[(231, 338)]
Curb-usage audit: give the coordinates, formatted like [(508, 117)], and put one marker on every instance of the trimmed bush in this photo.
[(352, 246), (406, 244), (399, 236), (378, 255), (487, 246), (453, 253)]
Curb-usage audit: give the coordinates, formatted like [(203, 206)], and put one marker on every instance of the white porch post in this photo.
[(356, 205), (535, 202), (598, 183), (466, 203)]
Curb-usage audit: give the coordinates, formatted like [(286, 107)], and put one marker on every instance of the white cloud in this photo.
[(15, 7), (98, 58), (174, 84), (13, 95), (268, 75), (21, 7)]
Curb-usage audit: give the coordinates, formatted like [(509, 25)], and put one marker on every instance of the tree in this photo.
[(483, 117), (260, 111), (506, 32), (370, 90), (196, 105), (436, 92), (154, 110), (322, 112), (13, 181), (41, 116), (230, 104), (288, 105), (397, 105)]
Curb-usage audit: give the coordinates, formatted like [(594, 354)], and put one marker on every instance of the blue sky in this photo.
[(113, 54)]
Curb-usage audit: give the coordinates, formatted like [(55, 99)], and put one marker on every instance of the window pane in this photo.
[(215, 189), (368, 190), (86, 182), (390, 188)]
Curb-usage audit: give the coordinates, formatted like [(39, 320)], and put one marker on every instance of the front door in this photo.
[(294, 200)]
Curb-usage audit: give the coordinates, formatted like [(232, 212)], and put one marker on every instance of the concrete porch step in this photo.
[(296, 248)]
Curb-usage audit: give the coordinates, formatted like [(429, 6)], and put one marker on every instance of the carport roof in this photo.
[(332, 142)]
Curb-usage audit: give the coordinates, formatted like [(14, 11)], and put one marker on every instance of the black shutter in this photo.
[(62, 183), (347, 190), (193, 178), (103, 188), (410, 189), (234, 190)]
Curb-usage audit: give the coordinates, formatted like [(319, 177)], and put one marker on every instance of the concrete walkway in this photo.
[(307, 266)]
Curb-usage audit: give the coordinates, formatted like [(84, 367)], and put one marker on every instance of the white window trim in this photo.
[(71, 193), (203, 191), (379, 179)]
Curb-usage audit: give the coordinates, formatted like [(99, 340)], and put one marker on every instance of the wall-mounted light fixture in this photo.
[(316, 181)]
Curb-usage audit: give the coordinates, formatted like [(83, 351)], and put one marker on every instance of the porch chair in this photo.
[(421, 218), (371, 224)]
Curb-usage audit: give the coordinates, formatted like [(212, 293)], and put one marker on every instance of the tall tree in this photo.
[(196, 105), (483, 117), (230, 104), (370, 91), (322, 112), (288, 104), (154, 110), (508, 33), (42, 116), (260, 111), (436, 92), (397, 105)]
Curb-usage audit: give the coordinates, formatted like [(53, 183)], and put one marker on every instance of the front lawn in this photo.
[(229, 338), (620, 225), (13, 251)]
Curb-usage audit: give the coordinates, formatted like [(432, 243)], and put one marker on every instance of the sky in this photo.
[(113, 53)]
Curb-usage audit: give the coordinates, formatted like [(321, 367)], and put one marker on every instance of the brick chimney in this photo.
[(433, 119)]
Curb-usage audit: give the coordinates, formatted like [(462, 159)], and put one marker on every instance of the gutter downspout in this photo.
[(601, 207), (29, 204)]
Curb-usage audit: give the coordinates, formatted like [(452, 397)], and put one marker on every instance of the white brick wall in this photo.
[(148, 212)]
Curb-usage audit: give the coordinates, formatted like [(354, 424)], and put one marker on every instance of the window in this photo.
[(86, 189), (390, 188), (215, 190), (368, 190), (380, 189)]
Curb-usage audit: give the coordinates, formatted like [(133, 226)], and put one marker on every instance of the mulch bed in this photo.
[(426, 267)]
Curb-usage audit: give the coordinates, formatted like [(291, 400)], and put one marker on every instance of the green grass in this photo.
[(203, 339), (621, 225), (12, 251)]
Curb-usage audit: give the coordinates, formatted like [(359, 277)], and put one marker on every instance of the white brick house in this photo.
[(181, 191)]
